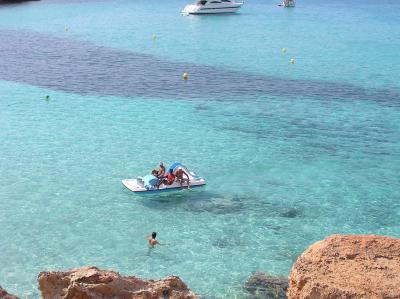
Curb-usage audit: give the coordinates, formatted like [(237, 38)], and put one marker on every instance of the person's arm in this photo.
[(188, 180)]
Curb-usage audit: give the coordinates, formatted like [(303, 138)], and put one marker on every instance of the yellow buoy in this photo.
[(284, 50), (185, 76), (292, 61)]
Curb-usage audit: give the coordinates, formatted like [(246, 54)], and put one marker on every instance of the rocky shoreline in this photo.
[(340, 266), (91, 282), (5, 295)]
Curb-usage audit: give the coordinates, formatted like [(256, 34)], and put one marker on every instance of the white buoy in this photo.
[(284, 50), (185, 76), (154, 37), (292, 61)]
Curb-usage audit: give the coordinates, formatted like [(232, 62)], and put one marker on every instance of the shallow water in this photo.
[(291, 153)]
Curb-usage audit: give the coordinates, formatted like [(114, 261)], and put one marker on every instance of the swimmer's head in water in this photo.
[(161, 163), (154, 235)]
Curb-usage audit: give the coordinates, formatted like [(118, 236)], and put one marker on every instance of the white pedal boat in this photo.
[(147, 183)]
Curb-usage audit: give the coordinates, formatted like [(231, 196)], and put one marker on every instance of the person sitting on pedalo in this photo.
[(168, 180), (179, 177), (160, 173)]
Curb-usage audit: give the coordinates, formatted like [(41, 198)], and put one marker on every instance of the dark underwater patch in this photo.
[(226, 242), (88, 69), (290, 213), (216, 205)]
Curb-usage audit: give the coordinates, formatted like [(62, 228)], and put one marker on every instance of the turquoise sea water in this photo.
[(291, 153)]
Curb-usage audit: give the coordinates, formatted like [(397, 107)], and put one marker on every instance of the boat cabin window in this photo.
[(202, 2)]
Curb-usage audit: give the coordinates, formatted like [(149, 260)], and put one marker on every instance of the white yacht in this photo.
[(212, 7), (289, 3)]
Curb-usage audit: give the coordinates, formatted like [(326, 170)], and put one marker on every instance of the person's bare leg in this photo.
[(188, 184), (159, 184)]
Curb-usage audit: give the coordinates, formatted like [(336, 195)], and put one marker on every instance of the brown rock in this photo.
[(5, 295), (92, 283), (348, 266)]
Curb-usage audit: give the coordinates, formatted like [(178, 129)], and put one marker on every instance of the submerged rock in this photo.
[(218, 205), (264, 286), (348, 266), (5, 295), (226, 242), (92, 283), (290, 213)]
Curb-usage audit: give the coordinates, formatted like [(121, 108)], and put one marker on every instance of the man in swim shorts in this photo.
[(179, 176)]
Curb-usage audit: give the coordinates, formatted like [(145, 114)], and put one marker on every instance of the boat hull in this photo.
[(196, 10), (134, 186)]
